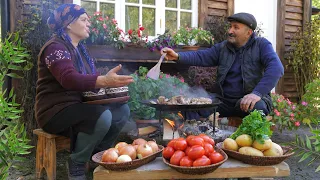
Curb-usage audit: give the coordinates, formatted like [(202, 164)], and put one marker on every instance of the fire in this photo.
[(172, 124), (180, 115)]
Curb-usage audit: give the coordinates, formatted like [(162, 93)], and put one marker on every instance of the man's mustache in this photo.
[(231, 35)]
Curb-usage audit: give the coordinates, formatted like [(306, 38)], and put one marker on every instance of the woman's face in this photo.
[(79, 28)]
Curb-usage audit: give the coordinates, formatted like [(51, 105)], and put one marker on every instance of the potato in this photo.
[(275, 150), (244, 140), (230, 144), (250, 151), (267, 145)]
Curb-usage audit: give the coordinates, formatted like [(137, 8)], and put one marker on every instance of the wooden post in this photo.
[(280, 49), (203, 12), (306, 12), (230, 9)]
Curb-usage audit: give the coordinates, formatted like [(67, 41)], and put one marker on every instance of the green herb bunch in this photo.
[(256, 125)]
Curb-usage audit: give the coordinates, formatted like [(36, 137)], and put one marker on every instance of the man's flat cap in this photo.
[(244, 18)]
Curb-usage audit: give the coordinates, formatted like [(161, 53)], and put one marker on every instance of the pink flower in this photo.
[(96, 14), (104, 26), (297, 124), (181, 79), (107, 18), (275, 111), (279, 100), (293, 107), (292, 118), (114, 21), (291, 115), (167, 75), (304, 103), (100, 19), (289, 102), (278, 114)]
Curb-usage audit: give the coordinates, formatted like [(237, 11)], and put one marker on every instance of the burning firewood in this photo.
[(182, 100)]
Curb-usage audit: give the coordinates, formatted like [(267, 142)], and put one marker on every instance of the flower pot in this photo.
[(191, 48)]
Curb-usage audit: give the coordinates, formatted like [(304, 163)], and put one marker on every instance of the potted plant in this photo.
[(193, 37), (144, 88), (163, 40), (105, 31)]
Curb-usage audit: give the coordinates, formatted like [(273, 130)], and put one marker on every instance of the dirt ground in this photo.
[(299, 171)]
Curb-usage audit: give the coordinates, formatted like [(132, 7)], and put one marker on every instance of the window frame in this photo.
[(160, 10)]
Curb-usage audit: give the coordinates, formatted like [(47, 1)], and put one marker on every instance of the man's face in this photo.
[(238, 33)]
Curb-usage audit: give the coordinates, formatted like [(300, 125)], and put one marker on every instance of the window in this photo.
[(155, 15)]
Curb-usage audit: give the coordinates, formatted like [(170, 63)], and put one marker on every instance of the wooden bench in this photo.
[(230, 169), (47, 147)]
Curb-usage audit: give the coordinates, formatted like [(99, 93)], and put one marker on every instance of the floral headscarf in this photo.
[(64, 15), (59, 20)]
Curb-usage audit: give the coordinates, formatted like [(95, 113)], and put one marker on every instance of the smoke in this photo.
[(196, 91)]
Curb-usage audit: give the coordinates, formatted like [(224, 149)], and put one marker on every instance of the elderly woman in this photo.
[(65, 71)]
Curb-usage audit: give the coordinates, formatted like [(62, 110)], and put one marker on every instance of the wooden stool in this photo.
[(47, 147)]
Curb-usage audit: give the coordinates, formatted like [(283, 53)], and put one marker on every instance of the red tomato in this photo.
[(208, 148), (216, 157), (180, 145), (171, 143), (176, 157), (207, 139), (167, 152), (196, 141), (196, 152), (203, 161), (187, 150), (186, 161), (189, 138)]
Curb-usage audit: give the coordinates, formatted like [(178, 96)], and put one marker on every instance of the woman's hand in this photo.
[(171, 54), (112, 79)]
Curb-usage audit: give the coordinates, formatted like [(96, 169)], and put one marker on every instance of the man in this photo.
[(248, 68)]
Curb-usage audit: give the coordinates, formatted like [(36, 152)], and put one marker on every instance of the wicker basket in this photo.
[(198, 170), (126, 165), (259, 160)]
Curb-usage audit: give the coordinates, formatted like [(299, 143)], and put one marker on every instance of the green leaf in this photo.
[(308, 143), (318, 169), (305, 156), (14, 75)]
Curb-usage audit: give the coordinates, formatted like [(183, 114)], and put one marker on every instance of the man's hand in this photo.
[(248, 102), (171, 54), (112, 79)]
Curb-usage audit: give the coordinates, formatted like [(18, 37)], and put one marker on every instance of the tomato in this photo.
[(207, 139), (187, 150), (196, 141), (215, 157), (196, 152), (186, 161), (203, 161), (167, 152), (180, 145), (189, 138), (208, 149), (176, 157), (171, 143)]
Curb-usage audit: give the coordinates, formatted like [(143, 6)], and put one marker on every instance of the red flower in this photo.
[(130, 32), (297, 124), (141, 28)]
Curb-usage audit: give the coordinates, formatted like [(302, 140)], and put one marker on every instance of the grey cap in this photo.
[(244, 18)]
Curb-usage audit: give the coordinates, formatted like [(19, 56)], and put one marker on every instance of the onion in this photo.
[(128, 150), (139, 141), (153, 145), (109, 155), (120, 144), (124, 158), (144, 150), (117, 150)]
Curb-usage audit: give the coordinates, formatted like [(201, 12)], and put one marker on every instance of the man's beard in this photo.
[(231, 38)]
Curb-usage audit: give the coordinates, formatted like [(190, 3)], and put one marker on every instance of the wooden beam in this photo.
[(217, 5), (203, 13), (297, 3), (280, 38), (217, 12), (306, 12), (230, 9)]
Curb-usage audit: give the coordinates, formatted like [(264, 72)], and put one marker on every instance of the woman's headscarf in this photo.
[(59, 20)]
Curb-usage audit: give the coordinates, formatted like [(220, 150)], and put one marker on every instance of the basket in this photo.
[(259, 160), (126, 165), (198, 170)]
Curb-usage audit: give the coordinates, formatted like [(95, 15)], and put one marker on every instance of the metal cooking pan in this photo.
[(166, 107)]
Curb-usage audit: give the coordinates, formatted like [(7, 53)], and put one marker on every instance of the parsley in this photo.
[(256, 125)]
